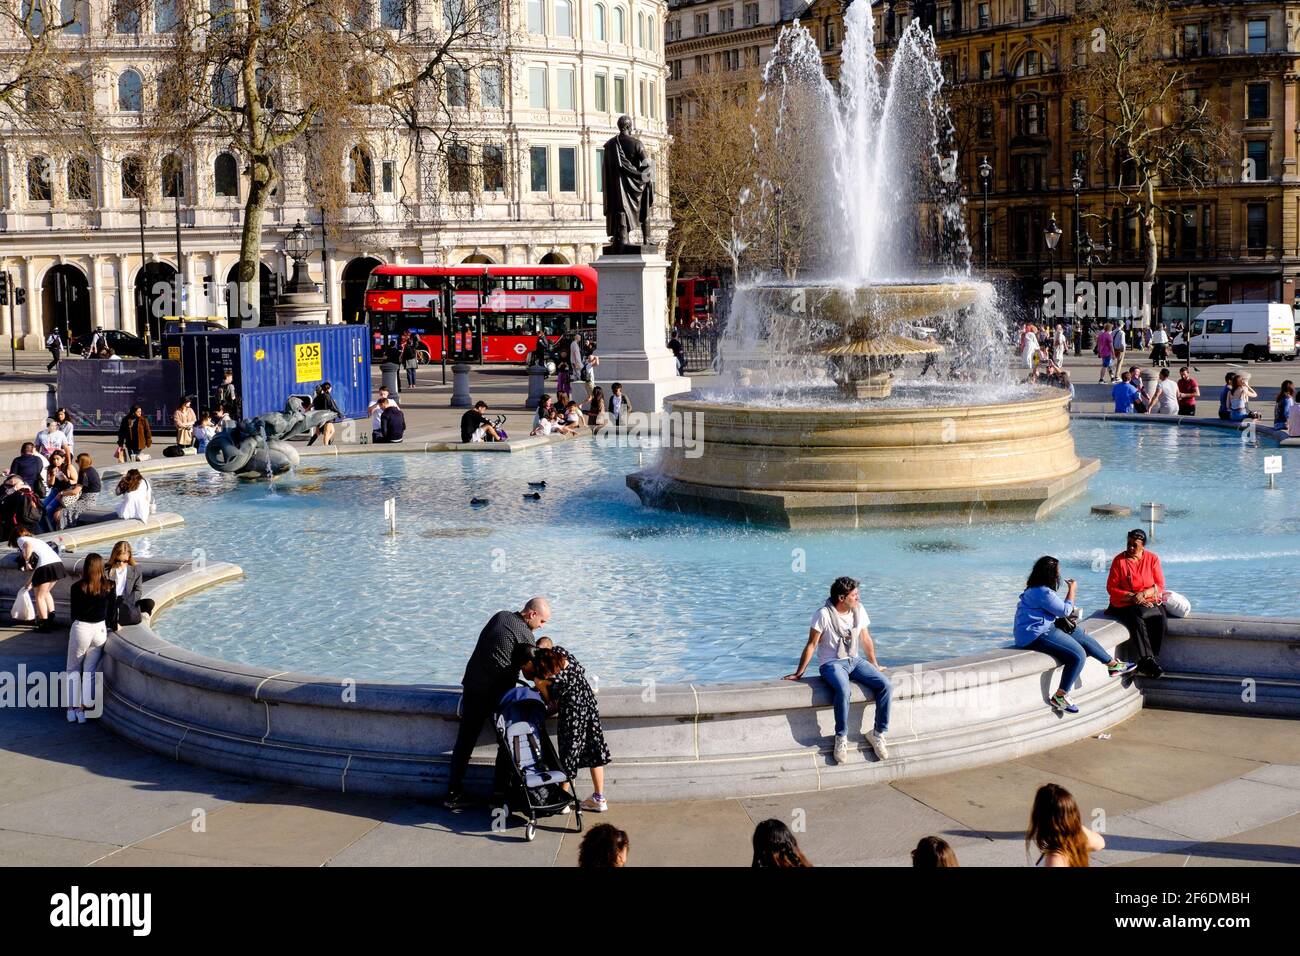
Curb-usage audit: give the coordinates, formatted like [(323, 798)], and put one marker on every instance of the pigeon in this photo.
[(478, 501), (534, 497), (537, 484)]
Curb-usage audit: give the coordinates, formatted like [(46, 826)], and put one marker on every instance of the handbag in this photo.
[(119, 454), (1176, 605), (23, 609), (1066, 624)]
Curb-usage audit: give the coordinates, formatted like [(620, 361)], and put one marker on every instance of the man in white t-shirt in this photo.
[(1164, 400), (52, 439), (839, 637)]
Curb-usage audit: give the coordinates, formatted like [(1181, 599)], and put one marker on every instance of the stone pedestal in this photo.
[(460, 396), (301, 308), (536, 385), (631, 320)]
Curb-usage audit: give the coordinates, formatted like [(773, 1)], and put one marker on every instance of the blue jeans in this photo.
[(838, 673), (1071, 650)]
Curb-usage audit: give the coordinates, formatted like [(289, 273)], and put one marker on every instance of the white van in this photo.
[(1251, 330)]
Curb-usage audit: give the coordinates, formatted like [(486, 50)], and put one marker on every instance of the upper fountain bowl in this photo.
[(863, 310)]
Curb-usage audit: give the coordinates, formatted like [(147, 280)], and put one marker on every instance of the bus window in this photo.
[(380, 283)]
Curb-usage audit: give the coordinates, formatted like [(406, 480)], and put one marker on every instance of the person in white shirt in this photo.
[(1159, 346), (1165, 397), (376, 410), (137, 496), (1118, 345), (838, 636), (52, 439)]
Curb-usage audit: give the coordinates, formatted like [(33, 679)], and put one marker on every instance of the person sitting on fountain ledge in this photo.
[(1136, 585), (839, 637), (392, 424)]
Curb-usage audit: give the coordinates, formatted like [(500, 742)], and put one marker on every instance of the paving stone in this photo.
[(705, 833), (1276, 844), (134, 856), (1265, 739), (38, 849), (1232, 807)]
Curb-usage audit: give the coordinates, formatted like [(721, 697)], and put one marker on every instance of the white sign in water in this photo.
[(1273, 464)]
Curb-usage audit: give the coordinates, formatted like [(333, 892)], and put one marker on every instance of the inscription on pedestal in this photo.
[(619, 314)]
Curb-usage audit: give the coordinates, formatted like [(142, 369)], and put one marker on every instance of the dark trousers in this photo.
[(475, 710), (55, 355), (1145, 625)]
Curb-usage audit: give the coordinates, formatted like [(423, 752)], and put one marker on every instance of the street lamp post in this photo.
[(1051, 236), (297, 246), (1077, 183), (986, 172)]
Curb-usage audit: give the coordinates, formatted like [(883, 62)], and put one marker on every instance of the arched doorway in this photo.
[(155, 290), (353, 298), (477, 258), (65, 302), (554, 259), (265, 296)]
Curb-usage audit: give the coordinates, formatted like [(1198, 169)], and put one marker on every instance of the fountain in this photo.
[(866, 449)]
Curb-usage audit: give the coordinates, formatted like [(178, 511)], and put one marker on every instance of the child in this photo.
[(203, 432)]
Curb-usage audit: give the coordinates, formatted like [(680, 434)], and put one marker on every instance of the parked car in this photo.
[(173, 326), (123, 344), (1253, 331)]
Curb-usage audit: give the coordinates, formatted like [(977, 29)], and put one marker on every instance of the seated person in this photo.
[(392, 424), (474, 426), (573, 414)]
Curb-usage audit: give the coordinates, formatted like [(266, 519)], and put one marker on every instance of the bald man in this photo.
[(504, 645)]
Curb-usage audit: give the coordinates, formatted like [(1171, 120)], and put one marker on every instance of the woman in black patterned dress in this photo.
[(562, 681)]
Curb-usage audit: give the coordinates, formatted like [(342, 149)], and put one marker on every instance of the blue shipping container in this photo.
[(270, 364)]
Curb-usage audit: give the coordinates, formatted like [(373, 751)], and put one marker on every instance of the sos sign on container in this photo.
[(269, 365)]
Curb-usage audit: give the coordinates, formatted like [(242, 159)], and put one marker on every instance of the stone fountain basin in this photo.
[(871, 309)]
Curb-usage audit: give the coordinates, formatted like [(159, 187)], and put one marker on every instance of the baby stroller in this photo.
[(534, 788)]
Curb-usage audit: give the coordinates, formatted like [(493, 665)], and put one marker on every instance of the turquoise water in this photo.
[(641, 594)]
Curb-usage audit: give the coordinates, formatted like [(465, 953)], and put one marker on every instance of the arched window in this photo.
[(38, 179), (361, 174), (130, 92), (564, 18), (601, 31), (81, 185), (1028, 64), (133, 181), (224, 89), (173, 176), (640, 29), (536, 18), (225, 174), (166, 16), (358, 81), (620, 25)]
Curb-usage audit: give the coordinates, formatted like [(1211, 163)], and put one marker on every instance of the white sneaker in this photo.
[(81, 716), (877, 742), (595, 804), (841, 752), (72, 715)]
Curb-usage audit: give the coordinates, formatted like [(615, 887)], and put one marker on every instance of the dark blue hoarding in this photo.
[(99, 393), (271, 364)]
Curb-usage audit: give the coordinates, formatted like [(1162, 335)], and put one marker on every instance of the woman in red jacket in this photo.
[(1136, 586)]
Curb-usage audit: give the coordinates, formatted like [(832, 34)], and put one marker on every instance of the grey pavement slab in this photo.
[(1232, 807), (835, 827), (124, 811), (704, 833), (1276, 844), (134, 856), (35, 849), (286, 826), (423, 834), (1125, 765), (50, 762), (1279, 775), (994, 801), (1129, 838), (1266, 739)]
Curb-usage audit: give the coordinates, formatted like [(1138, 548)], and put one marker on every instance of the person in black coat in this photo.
[(504, 645), (392, 424), (324, 402), (127, 579)]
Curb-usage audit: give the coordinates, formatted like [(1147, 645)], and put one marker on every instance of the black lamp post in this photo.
[(986, 172), (1077, 183), (297, 246), (1051, 236)]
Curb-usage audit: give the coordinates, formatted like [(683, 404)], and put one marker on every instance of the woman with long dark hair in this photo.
[(93, 607), (1044, 623), (775, 846), (134, 434), (1056, 828), (61, 479), (1285, 402), (563, 684), (137, 496)]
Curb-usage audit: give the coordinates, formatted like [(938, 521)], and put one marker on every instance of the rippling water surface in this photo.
[(642, 594)]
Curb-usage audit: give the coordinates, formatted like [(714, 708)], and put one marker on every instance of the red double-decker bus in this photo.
[(499, 310), (697, 299)]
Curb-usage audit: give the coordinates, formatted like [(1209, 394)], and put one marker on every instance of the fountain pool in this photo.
[(642, 594)]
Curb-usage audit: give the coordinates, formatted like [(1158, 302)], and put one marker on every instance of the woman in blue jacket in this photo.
[(1039, 609)]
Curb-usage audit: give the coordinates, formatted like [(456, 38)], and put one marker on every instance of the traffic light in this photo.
[(20, 296), (273, 285), (4, 288)]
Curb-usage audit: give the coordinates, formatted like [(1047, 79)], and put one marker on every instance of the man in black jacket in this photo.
[(504, 645), (392, 423)]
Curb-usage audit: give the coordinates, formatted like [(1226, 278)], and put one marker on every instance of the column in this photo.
[(96, 292), (32, 315), (125, 298), (335, 294)]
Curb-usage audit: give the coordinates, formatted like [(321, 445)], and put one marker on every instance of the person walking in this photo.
[(134, 434), (410, 359), (1159, 346), (1136, 588), (184, 418), (1188, 392), (1058, 346), (1047, 624), (54, 342), (839, 638), (1119, 345), (1106, 352), (1056, 829), (93, 611), (504, 645)]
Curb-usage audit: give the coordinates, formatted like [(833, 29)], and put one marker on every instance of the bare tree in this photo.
[(1163, 142), (309, 85)]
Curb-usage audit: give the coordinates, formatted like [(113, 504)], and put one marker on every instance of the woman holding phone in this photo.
[(1044, 623)]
